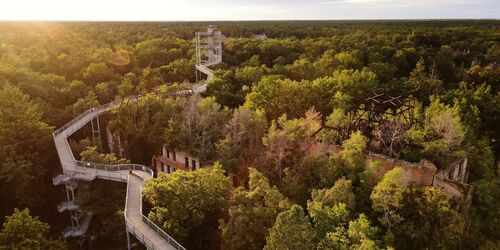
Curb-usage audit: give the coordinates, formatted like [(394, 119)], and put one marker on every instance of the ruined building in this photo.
[(170, 160)]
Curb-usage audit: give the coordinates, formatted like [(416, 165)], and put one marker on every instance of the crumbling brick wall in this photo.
[(451, 180), (421, 174)]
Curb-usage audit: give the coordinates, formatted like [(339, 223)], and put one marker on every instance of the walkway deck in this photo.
[(134, 218), (152, 236), (137, 224)]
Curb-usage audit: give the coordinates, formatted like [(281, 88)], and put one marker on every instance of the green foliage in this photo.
[(430, 220), (481, 161), (328, 65), (422, 85), (197, 127), (477, 75), (104, 92), (348, 60), (23, 133), (477, 104), (353, 151), (485, 197), (368, 179), (292, 230), (325, 65), (126, 88), (341, 192), (179, 70), (103, 198), (158, 51), (252, 212), (83, 104), (442, 134), (287, 140), (452, 132), (359, 235), (187, 204), (142, 123), (406, 60), (484, 215), (92, 155), (226, 90), (242, 140), (250, 74), (149, 80), (22, 231), (112, 228), (254, 61), (354, 83), (387, 196), (273, 96), (326, 170), (385, 72), (97, 72), (232, 84), (301, 69), (330, 208)]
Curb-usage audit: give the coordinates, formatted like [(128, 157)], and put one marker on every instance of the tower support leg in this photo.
[(96, 132), (129, 246)]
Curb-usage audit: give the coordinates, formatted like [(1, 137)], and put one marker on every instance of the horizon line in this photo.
[(251, 20)]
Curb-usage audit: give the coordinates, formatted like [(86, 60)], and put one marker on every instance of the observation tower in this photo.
[(208, 52)]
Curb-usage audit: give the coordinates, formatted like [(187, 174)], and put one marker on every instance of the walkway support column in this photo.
[(129, 246), (96, 132)]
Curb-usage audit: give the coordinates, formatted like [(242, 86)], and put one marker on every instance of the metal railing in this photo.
[(162, 233), (147, 242), (119, 172), (131, 228), (89, 170), (157, 229), (114, 168), (80, 117), (100, 110)]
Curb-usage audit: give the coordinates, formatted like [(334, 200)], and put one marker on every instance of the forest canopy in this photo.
[(258, 130)]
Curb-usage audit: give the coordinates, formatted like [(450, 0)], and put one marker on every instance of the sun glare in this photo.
[(196, 10)]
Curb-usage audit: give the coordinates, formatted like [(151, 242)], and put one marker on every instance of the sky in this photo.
[(198, 10)]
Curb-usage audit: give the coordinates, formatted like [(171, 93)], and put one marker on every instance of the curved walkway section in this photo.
[(202, 87), (136, 223)]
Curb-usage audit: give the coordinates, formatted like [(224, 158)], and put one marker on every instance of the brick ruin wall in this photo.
[(451, 180)]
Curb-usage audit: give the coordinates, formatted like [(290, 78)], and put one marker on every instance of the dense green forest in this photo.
[(260, 186)]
